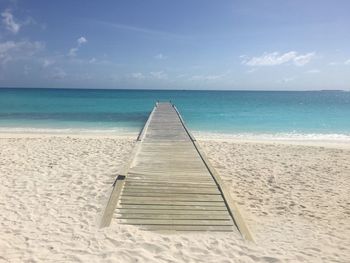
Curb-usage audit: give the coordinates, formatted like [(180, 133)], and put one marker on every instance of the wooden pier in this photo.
[(169, 184)]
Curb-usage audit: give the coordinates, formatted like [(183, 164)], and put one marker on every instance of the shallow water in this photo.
[(312, 113)]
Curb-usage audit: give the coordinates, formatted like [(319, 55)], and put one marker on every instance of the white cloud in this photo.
[(207, 77), (81, 40), (160, 56), (302, 60), (48, 62), (148, 76), (73, 51), (96, 61), (9, 22), (211, 77), (347, 62), (158, 74), (11, 50), (137, 75), (275, 58)]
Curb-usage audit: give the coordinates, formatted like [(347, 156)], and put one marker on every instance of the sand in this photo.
[(295, 198)]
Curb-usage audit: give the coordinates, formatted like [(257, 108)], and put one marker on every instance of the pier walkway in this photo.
[(169, 184)]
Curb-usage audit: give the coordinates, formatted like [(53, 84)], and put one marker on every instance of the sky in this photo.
[(182, 44)]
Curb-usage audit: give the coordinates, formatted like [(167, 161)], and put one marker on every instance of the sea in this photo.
[(270, 114)]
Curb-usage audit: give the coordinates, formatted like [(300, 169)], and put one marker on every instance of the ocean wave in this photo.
[(335, 137), (31, 130), (275, 136)]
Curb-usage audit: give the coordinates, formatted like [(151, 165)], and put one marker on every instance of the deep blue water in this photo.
[(255, 112)]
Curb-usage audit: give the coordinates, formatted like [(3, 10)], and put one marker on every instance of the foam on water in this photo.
[(275, 136), (107, 131)]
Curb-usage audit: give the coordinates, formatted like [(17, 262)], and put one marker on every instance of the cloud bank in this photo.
[(12, 50), (276, 58)]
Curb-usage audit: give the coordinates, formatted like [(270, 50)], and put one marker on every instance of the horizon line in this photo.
[(155, 89)]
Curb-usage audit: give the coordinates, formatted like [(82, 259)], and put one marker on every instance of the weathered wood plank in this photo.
[(169, 211), (172, 207), (169, 183), (173, 197), (169, 180), (181, 228), (167, 191), (170, 202), (175, 222), (173, 216)]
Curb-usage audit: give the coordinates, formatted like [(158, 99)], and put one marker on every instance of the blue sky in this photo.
[(190, 44)]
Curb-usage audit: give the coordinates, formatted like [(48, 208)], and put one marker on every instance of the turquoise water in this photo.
[(233, 112)]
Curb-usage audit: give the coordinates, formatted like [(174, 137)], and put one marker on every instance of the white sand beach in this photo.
[(294, 196)]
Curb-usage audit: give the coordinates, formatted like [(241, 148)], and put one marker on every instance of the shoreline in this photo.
[(340, 142)]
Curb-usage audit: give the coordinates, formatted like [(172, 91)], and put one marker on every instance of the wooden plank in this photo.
[(169, 211), (173, 216), (170, 203), (169, 180), (172, 179), (168, 191), (159, 177), (144, 129), (174, 197), (169, 184), (164, 174), (149, 187), (164, 187), (175, 222), (156, 169), (111, 204), (172, 207), (181, 228)]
